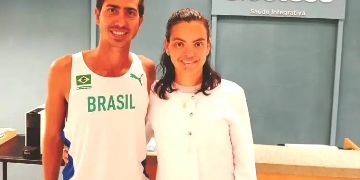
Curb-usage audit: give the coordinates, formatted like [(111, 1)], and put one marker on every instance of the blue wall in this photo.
[(289, 92)]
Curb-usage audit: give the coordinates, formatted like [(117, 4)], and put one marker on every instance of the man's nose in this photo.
[(121, 21)]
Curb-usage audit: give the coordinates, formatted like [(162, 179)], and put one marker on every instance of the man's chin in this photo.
[(120, 44)]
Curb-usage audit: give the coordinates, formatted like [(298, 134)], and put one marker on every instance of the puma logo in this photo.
[(137, 78)]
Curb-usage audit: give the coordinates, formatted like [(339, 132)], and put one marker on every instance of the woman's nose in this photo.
[(189, 54)]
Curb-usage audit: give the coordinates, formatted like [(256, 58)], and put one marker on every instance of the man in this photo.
[(97, 102)]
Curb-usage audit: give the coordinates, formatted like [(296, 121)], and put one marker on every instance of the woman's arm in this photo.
[(148, 128), (149, 131), (241, 137)]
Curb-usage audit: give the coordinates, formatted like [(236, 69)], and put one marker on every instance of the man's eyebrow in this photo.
[(118, 7), (113, 6), (130, 8), (178, 39), (199, 39)]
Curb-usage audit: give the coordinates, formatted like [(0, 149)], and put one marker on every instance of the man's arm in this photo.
[(150, 69), (55, 110)]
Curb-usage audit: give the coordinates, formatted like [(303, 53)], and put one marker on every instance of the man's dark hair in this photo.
[(141, 6), (210, 77)]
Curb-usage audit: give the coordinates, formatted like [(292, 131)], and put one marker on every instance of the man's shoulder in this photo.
[(58, 76), (61, 65), (149, 67), (147, 62)]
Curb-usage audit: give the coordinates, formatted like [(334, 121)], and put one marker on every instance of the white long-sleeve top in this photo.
[(210, 139)]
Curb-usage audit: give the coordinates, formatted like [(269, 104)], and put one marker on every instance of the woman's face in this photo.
[(188, 47)]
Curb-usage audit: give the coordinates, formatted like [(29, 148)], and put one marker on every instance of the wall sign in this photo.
[(324, 9)]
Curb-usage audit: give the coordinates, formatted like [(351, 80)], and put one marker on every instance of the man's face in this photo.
[(118, 21)]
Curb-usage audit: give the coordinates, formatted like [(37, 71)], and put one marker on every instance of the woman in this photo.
[(200, 122)]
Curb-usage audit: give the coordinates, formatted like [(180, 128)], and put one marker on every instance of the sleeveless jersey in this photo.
[(105, 127)]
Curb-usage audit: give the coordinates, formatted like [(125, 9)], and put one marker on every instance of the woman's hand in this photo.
[(65, 154)]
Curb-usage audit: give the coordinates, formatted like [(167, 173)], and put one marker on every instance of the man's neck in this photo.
[(188, 79), (112, 56)]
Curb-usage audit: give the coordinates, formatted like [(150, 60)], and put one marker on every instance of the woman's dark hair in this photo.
[(141, 6), (210, 77)]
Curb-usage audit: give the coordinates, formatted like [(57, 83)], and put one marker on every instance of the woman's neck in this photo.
[(188, 79), (186, 89), (188, 83)]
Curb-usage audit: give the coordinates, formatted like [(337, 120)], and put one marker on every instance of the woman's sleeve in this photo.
[(241, 137), (148, 127)]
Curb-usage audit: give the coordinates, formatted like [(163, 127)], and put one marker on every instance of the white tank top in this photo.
[(105, 128)]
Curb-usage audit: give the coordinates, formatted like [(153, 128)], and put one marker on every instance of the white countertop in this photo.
[(313, 161)]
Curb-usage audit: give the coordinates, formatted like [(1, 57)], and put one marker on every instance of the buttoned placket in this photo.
[(191, 136)]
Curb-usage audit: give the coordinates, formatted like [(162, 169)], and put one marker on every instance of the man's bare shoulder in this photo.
[(150, 70), (61, 66), (147, 63)]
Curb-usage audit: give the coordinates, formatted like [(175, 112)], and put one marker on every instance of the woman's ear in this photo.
[(208, 47), (166, 46)]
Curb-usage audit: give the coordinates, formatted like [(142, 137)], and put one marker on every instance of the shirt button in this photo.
[(191, 114), (189, 133), (192, 97)]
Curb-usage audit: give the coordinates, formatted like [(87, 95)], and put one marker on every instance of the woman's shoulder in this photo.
[(155, 87), (231, 91), (153, 84), (230, 87), (152, 88)]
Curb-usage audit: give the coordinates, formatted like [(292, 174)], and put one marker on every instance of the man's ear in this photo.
[(97, 16), (141, 21)]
